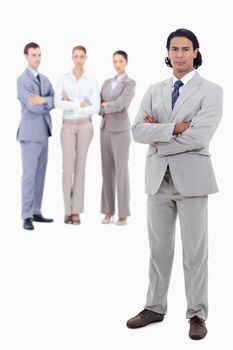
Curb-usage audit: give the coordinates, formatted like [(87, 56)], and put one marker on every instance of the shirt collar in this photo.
[(33, 71), (84, 75), (119, 78), (185, 79)]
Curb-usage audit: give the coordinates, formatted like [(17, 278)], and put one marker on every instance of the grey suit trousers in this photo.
[(115, 156), (34, 160), (163, 208)]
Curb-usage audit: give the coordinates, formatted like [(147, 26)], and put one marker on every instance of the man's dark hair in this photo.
[(29, 46), (122, 53), (192, 37)]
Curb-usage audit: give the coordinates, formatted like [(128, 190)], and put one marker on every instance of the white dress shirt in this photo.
[(185, 79), (33, 71), (83, 89), (116, 80)]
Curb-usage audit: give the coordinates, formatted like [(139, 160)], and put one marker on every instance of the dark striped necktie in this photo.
[(175, 92)]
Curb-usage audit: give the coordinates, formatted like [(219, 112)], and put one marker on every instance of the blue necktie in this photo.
[(38, 78), (175, 92)]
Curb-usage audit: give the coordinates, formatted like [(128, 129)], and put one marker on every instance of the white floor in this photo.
[(74, 287)]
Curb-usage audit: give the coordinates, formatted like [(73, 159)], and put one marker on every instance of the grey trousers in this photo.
[(34, 161), (162, 209), (115, 156)]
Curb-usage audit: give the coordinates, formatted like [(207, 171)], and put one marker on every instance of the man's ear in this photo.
[(196, 52)]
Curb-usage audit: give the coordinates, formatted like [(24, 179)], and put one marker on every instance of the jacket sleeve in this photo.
[(122, 101), (202, 129), (24, 92), (150, 133), (49, 99), (101, 112)]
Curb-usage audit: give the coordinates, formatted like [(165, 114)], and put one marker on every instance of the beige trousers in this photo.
[(76, 136)]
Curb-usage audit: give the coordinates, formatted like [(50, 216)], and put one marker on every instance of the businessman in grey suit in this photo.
[(178, 118), (35, 94)]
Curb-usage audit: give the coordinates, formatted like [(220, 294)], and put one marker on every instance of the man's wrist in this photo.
[(180, 127), (175, 130)]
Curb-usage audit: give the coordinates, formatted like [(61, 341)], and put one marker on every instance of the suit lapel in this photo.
[(119, 87), (106, 93), (34, 79), (187, 92), (166, 97)]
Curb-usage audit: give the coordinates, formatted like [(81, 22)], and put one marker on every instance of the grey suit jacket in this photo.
[(186, 154), (35, 124), (115, 115)]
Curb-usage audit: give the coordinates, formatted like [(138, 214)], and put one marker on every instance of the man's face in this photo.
[(181, 55), (33, 57)]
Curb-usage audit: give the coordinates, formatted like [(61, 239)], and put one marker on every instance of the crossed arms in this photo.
[(32, 102), (175, 138), (86, 107), (121, 102)]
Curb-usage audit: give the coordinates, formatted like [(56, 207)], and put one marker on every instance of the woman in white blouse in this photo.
[(77, 94)]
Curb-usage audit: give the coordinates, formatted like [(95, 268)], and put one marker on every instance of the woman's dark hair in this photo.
[(30, 46), (122, 53), (192, 37), (79, 47)]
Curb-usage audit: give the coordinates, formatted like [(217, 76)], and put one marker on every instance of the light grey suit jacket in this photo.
[(118, 100), (35, 124), (187, 153)]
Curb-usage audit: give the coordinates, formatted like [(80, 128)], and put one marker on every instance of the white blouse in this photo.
[(83, 89)]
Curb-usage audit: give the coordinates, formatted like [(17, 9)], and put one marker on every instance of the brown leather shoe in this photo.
[(198, 328), (68, 219), (144, 318), (75, 219)]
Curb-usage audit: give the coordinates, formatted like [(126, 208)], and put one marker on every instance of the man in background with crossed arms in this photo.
[(35, 94)]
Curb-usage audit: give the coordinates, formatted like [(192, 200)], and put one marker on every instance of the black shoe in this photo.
[(144, 318), (27, 224), (40, 218)]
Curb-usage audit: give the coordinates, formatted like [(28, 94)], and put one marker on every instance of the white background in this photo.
[(65, 287)]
